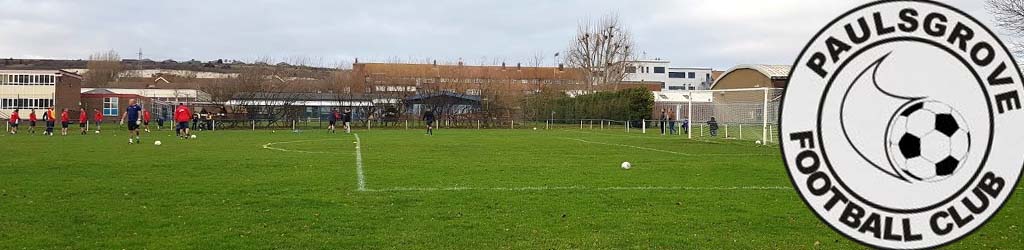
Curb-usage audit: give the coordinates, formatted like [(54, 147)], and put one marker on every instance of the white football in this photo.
[(758, 142), (535, 128), (626, 165), (97, 131), (157, 143), (193, 136)]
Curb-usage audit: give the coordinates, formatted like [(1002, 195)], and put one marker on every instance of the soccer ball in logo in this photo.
[(927, 141)]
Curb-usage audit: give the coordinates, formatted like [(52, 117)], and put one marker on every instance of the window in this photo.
[(630, 69), (659, 70), (676, 74), (473, 92), (691, 75), (110, 106), (677, 88)]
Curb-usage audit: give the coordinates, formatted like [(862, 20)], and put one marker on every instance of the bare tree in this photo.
[(603, 49), (104, 67), (1009, 15)]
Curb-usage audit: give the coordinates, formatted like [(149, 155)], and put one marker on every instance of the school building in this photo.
[(38, 89)]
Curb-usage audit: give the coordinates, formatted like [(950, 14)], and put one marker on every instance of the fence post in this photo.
[(214, 124), (581, 124), (701, 130), (643, 126), (602, 124), (741, 131), (726, 131), (626, 125), (478, 124), (253, 125), (591, 124), (513, 123), (547, 124)]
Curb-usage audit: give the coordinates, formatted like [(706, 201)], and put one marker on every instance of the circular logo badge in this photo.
[(900, 124)]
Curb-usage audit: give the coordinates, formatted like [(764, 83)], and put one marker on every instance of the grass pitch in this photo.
[(467, 189)]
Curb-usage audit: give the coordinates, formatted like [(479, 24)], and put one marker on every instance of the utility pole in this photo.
[(140, 54)]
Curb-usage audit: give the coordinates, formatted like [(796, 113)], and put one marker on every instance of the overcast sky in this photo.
[(707, 33)]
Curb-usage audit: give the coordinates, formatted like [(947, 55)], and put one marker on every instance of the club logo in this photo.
[(900, 124)]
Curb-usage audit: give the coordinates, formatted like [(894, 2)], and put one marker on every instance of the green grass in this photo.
[(465, 189)]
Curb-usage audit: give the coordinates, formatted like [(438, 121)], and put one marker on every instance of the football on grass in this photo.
[(626, 165), (928, 141), (157, 143)]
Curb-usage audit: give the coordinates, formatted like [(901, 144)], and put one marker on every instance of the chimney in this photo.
[(502, 65), (435, 62), (357, 60), (519, 66), (561, 67)]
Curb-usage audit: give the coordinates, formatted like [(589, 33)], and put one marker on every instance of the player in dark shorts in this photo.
[(50, 119), (134, 114), (83, 118), (32, 122), (428, 117), (65, 119), (332, 121), (346, 120), (15, 119), (182, 115)]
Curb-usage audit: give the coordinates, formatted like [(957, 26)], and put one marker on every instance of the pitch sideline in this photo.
[(360, 178)]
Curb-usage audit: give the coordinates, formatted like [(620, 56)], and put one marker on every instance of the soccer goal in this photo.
[(740, 114)]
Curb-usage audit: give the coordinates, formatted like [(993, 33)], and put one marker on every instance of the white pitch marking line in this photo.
[(547, 188), (270, 146), (658, 150), (359, 165)]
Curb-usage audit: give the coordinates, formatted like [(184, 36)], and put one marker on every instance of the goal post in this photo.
[(748, 114)]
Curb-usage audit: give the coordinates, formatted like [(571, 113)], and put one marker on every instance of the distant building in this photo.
[(671, 78), (399, 79), (746, 76), (38, 89), (165, 95), (111, 101)]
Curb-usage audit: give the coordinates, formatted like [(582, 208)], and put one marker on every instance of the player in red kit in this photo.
[(83, 118), (145, 119), (32, 122), (182, 115), (65, 119), (97, 117), (15, 119)]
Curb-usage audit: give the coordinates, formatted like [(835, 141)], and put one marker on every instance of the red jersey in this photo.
[(145, 115), (15, 117), (182, 114), (98, 117), (32, 117), (64, 117), (83, 117)]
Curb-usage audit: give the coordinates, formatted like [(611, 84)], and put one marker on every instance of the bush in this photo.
[(627, 104)]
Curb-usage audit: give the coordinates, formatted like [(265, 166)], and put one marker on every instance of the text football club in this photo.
[(898, 124)]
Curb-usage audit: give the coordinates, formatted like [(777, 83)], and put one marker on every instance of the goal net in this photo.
[(741, 114)]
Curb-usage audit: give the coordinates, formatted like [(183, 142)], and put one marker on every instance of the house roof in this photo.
[(512, 71), (155, 93), (421, 97), (298, 99)]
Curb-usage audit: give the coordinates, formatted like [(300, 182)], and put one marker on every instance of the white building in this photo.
[(164, 95), (671, 78), (26, 90)]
